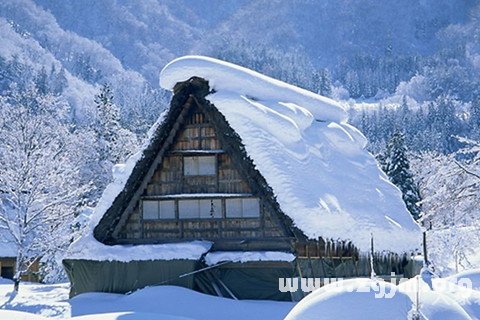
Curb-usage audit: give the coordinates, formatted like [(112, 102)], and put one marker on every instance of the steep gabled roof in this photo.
[(187, 94)]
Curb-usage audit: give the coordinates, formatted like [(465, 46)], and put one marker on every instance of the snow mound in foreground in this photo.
[(438, 299), (312, 158), (355, 299), (130, 316), (473, 275), (444, 298), (170, 301)]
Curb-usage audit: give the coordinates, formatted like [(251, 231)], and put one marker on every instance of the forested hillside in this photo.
[(79, 90)]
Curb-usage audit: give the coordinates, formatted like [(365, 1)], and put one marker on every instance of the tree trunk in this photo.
[(16, 284), (18, 273)]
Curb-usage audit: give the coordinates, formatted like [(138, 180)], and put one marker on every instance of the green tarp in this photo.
[(250, 280), (122, 277)]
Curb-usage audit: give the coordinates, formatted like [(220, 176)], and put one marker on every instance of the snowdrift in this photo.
[(438, 299), (354, 300), (171, 302)]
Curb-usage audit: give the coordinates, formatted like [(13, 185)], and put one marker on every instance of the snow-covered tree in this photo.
[(39, 179), (322, 83), (397, 166), (114, 143), (451, 193)]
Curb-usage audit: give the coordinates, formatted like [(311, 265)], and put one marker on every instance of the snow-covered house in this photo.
[(8, 257), (244, 179)]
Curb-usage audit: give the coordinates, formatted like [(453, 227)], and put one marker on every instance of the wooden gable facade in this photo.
[(197, 184)]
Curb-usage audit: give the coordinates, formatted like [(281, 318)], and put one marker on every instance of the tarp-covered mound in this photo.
[(315, 162)]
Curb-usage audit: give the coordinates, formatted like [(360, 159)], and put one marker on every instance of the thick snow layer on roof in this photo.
[(94, 250), (312, 158), (213, 258)]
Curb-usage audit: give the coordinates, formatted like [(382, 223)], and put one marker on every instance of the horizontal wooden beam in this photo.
[(215, 240), (208, 196), (195, 152)]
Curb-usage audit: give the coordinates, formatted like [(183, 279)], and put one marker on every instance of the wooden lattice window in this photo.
[(153, 209), (199, 165), (242, 208), (201, 208)]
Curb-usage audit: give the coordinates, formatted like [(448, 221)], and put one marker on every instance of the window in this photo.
[(199, 166), (201, 208), (250, 208), (188, 209), (167, 209), (210, 208), (242, 208), (204, 209), (153, 210)]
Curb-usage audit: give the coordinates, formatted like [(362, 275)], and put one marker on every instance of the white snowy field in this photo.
[(163, 302), (439, 299)]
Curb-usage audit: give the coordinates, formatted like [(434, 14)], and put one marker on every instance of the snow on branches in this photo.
[(39, 176), (450, 187)]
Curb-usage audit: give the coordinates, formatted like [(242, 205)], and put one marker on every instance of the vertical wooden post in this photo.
[(425, 256)]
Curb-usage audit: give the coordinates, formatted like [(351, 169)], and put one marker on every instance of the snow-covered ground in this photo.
[(439, 299), (430, 298), (163, 302)]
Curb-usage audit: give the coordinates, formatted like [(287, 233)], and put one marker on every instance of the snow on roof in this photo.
[(91, 249), (213, 258), (315, 162)]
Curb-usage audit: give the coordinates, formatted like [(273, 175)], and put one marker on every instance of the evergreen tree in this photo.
[(322, 83), (108, 126), (474, 119), (397, 166), (113, 142), (353, 84), (41, 81), (58, 81)]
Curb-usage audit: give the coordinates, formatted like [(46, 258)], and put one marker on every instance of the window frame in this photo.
[(242, 199), (222, 202), (195, 161), (158, 218), (198, 206)]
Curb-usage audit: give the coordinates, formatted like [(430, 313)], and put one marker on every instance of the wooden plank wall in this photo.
[(198, 134)]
